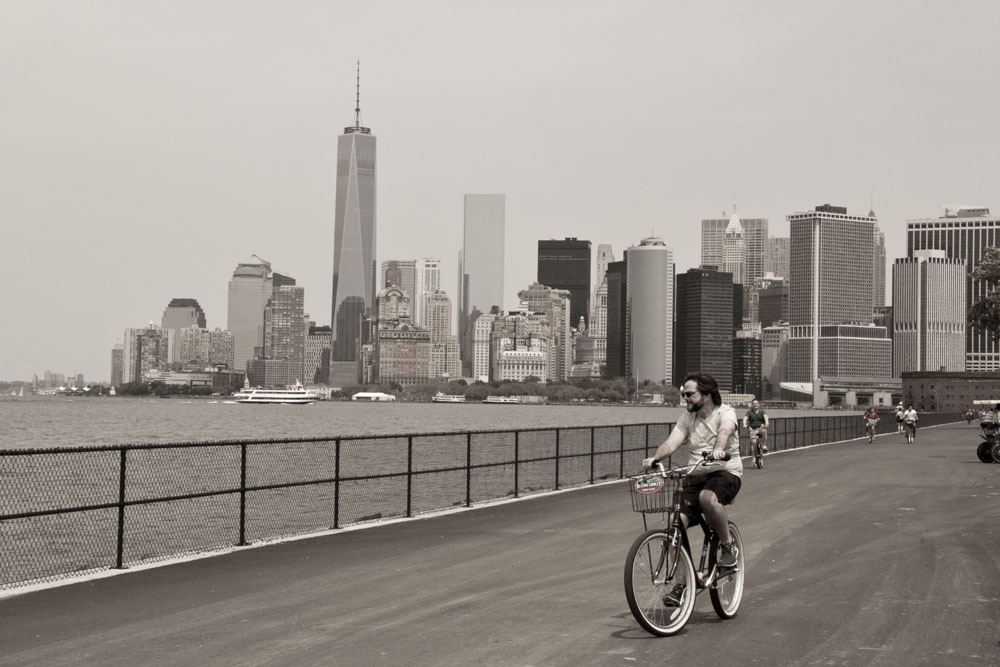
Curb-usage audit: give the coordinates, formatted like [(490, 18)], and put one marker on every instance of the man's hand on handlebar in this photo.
[(717, 454)]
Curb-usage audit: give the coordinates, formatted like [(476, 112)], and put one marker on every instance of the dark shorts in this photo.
[(724, 484)]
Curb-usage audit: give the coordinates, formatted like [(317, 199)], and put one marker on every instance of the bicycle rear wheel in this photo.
[(995, 451), (652, 571), (727, 591)]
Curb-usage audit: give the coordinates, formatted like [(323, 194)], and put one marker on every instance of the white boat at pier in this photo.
[(294, 395), (447, 398)]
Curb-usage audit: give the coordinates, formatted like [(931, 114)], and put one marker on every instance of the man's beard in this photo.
[(695, 407)]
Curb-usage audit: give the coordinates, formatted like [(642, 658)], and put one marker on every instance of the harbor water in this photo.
[(45, 421)]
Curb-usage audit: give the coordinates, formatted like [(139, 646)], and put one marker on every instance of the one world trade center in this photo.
[(354, 270)]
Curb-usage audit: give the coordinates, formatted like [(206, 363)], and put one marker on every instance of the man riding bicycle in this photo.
[(707, 427), (871, 421), (756, 420)]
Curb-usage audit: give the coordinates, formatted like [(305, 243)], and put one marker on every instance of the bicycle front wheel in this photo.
[(660, 583), (983, 452), (727, 591)]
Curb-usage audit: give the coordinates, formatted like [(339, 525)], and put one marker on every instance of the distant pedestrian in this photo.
[(910, 420)]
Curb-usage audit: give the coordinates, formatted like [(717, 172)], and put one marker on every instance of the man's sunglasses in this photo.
[(688, 394)]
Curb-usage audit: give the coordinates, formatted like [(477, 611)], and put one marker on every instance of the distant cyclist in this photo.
[(755, 419), (871, 422)]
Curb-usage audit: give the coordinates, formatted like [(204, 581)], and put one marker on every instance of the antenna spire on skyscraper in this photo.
[(357, 98)]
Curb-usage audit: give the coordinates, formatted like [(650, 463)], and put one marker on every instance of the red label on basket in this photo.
[(648, 484)]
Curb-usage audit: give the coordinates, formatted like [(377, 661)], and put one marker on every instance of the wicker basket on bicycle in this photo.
[(652, 493)]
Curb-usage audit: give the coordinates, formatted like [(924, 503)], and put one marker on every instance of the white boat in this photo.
[(294, 395), (447, 398), (502, 399)]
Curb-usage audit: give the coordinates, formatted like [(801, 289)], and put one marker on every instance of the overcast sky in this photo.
[(147, 147)]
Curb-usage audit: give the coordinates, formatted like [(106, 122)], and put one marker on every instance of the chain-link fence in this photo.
[(65, 512)]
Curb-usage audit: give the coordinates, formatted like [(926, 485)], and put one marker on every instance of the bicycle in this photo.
[(757, 448), (661, 582), (870, 429), (911, 431)]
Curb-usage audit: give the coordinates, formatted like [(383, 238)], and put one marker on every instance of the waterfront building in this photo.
[(774, 358), (195, 347), (704, 326), (830, 283), (520, 347), (285, 331), (145, 351), (854, 351), (778, 251), (317, 363), (615, 346), (183, 313), (445, 362), (746, 254), (555, 304), (948, 391), (650, 315), (929, 317), (747, 369), (482, 360), (427, 281), (597, 324), (565, 265), (354, 235), (402, 352), (481, 266), (117, 365), (964, 233), (249, 290)]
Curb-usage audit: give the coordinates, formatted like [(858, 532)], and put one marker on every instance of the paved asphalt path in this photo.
[(857, 554)]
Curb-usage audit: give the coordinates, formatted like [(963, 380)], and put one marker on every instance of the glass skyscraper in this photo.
[(565, 264), (249, 289), (650, 320), (354, 267), (480, 266)]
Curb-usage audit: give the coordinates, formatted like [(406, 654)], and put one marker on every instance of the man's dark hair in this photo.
[(706, 385)]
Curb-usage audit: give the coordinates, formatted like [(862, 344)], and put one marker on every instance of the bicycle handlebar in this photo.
[(704, 461)]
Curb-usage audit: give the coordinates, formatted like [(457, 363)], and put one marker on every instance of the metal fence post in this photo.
[(119, 560), (468, 469), (621, 452), (409, 476), (557, 459), (517, 446), (243, 495), (592, 454), (336, 485)]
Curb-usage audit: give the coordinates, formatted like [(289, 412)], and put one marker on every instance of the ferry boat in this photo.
[(502, 399), (294, 395), (447, 398)]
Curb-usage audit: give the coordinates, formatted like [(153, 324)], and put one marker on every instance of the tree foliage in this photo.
[(985, 312)]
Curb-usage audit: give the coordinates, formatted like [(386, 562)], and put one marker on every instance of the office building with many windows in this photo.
[(929, 317), (964, 233)]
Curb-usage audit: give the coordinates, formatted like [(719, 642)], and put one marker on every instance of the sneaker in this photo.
[(673, 598), (729, 555), (763, 448)]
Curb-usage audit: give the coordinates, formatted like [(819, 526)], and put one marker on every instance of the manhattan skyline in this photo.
[(149, 149)]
